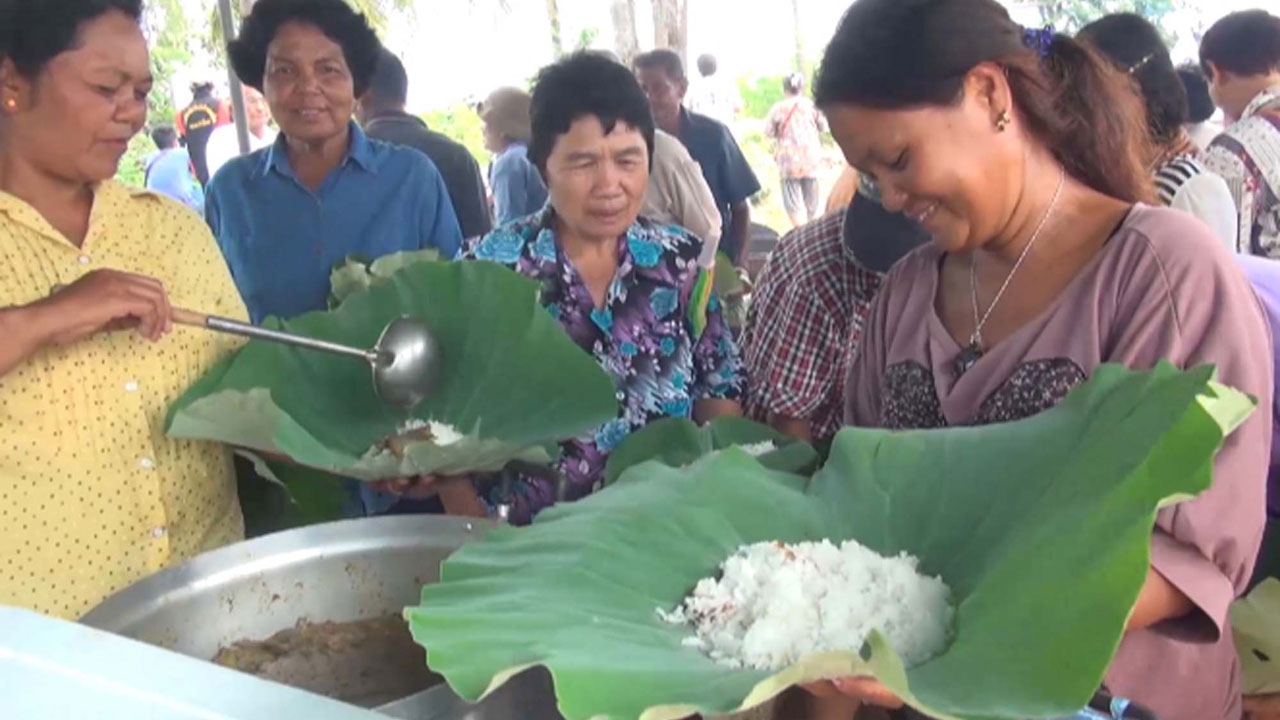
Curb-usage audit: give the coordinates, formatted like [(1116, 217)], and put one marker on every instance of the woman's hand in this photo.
[(865, 690), (101, 301), (457, 493), (420, 487), (1262, 707)]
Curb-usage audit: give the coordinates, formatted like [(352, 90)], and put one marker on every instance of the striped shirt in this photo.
[(1174, 174), (803, 325), (1184, 183)]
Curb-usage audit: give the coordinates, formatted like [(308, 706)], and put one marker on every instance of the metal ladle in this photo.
[(405, 360)]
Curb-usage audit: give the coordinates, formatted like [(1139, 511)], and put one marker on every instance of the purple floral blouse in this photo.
[(644, 337)]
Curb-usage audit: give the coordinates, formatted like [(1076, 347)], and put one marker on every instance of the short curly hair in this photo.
[(579, 85), (1242, 43), (33, 32), (334, 18)]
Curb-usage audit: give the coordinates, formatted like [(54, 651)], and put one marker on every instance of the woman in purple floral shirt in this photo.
[(626, 289)]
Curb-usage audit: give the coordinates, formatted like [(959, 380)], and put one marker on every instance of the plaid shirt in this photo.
[(1247, 156), (805, 320)]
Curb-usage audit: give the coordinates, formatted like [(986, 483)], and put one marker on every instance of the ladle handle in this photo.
[(226, 325)]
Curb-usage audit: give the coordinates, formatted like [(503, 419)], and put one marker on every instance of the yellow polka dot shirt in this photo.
[(93, 496)]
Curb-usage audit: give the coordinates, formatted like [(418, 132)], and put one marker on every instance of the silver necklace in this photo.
[(969, 356)]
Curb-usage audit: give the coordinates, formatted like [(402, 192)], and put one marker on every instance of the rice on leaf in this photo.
[(1005, 515), (772, 604), (512, 384)]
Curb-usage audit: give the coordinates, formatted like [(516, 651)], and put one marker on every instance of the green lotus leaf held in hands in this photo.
[(511, 381), (354, 275), (678, 442), (1010, 516)]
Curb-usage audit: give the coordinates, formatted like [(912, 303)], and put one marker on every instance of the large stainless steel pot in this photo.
[(349, 570)]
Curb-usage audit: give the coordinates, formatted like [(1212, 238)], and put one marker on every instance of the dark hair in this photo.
[(390, 82), (668, 61), (164, 136), (33, 32), (1243, 43), (707, 65), (334, 18), (911, 53), (1135, 47), (793, 83), (579, 85), (1200, 105)]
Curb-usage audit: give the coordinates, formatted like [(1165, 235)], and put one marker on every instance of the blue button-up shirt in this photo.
[(282, 239), (724, 166), (517, 186), (169, 172)]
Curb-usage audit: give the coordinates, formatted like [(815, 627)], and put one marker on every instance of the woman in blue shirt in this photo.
[(285, 215), (517, 186)]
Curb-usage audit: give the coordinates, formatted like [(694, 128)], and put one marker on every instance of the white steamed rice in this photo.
[(442, 434), (774, 604), (758, 449)]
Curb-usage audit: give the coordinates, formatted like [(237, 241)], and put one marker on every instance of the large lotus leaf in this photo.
[(510, 379), (355, 275), (678, 442), (1041, 527), (1255, 623)]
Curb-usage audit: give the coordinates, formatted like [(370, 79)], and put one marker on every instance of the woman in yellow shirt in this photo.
[(92, 494)]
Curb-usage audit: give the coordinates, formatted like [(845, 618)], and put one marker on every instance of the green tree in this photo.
[(671, 26), (796, 19), (553, 18), (1068, 16), (169, 37), (379, 12), (625, 40)]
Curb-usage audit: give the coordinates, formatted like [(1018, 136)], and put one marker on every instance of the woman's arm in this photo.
[(719, 377), (23, 335), (102, 300), (1158, 601)]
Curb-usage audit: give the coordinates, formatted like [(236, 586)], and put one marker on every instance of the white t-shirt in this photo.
[(678, 194), (224, 144), (1185, 184), (1202, 134), (716, 97)]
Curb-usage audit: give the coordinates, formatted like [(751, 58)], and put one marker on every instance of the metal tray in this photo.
[(348, 570)]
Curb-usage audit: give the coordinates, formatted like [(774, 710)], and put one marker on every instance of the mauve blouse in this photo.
[(1163, 287)]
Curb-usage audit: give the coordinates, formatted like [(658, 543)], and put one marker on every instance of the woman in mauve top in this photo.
[(1021, 153)]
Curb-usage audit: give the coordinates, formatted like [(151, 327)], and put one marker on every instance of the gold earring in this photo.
[(10, 103), (1002, 122)]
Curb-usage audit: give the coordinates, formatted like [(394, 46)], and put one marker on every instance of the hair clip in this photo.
[(1039, 39), (1141, 64)]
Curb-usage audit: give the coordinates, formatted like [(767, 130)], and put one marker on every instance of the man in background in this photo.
[(710, 143), (677, 193), (224, 142), (714, 95), (168, 170), (1240, 55), (808, 310), (196, 122), (381, 112)]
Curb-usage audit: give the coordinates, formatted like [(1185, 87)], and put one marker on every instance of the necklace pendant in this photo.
[(967, 358)]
